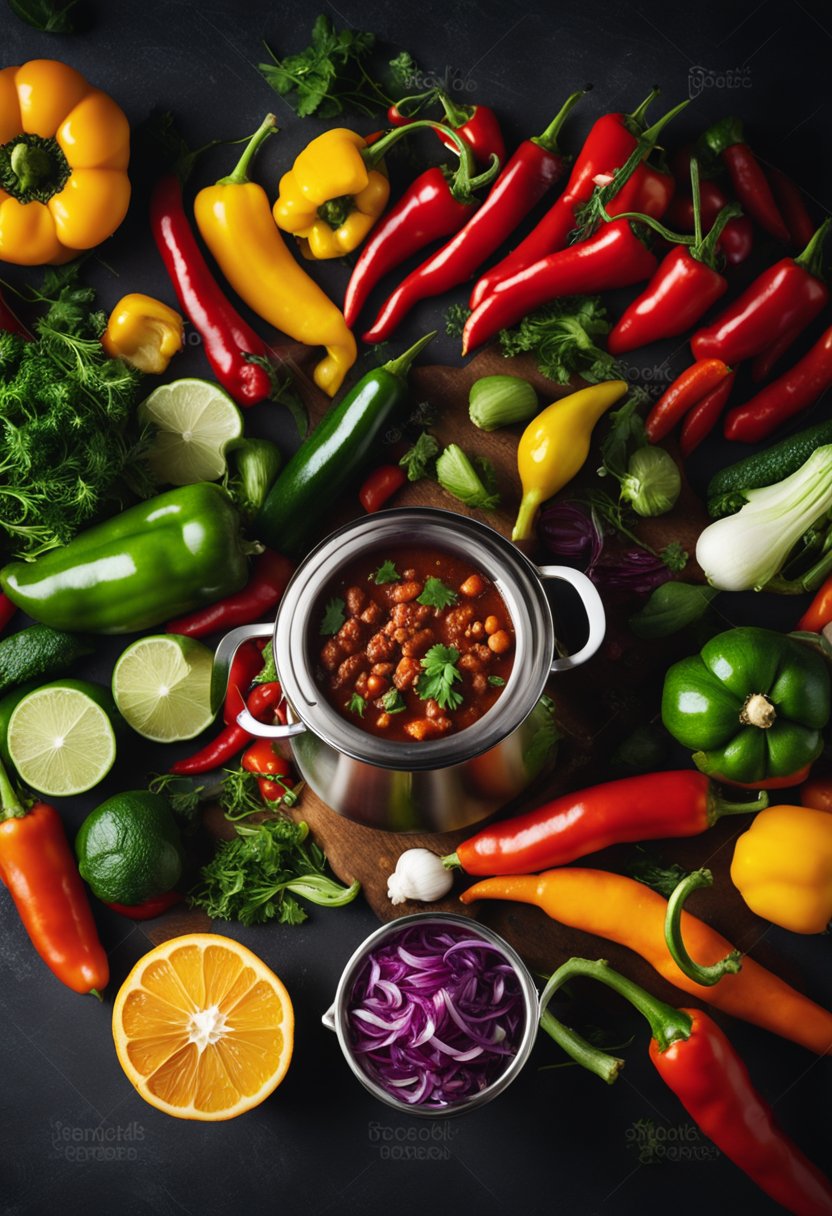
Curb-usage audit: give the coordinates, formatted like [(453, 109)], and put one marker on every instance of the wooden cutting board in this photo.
[(597, 706)]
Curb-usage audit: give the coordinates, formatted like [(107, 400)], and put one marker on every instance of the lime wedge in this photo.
[(162, 687), (61, 740), (194, 421)]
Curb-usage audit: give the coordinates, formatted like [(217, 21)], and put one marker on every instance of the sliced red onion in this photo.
[(434, 1015)]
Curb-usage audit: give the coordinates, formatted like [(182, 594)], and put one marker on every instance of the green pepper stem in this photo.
[(667, 1024), (706, 250), (697, 202), (401, 365), (644, 146), (637, 116), (811, 259), (651, 135), (10, 805), (548, 139), (592, 1058), (375, 152), (239, 176), (98, 996), (719, 806), (451, 861), (723, 134), (707, 976), (462, 185), (455, 115)]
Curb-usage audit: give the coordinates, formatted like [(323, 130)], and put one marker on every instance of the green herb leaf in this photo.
[(625, 435), (457, 475), (562, 337), (393, 702), (437, 594), (496, 681), (268, 674), (653, 872), (419, 458), (439, 674), (357, 705), (671, 607), (675, 557), (455, 317), (386, 573), (333, 617), (46, 15), (404, 71)]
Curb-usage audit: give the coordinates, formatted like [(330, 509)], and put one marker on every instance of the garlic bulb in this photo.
[(421, 875)]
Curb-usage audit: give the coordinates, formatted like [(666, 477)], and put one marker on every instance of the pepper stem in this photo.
[(637, 116), (707, 976), (592, 1058), (548, 139), (451, 861), (811, 259), (667, 1024), (719, 806), (30, 165), (758, 711), (401, 365), (10, 805), (455, 115), (375, 152), (239, 176), (462, 185), (697, 201)]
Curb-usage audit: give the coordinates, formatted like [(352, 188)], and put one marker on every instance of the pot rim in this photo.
[(517, 581)]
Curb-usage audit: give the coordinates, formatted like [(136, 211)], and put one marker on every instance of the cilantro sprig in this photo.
[(333, 617), (439, 674), (357, 704), (437, 594), (386, 573)]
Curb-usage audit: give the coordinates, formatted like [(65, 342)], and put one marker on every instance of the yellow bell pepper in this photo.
[(236, 224), (782, 867), (332, 196), (555, 445), (64, 149), (143, 332)]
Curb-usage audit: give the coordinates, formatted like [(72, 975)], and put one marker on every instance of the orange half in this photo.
[(203, 1029)]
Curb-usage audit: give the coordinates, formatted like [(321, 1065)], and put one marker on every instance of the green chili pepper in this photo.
[(753, 705), (154, 561), (333, 455)]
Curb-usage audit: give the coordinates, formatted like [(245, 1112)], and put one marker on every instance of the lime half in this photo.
[(61, 740), (162, 687), (195, 420)]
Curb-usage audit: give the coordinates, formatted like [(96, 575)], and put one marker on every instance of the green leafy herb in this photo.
[(653, 872), (625, 435), (183, 794), (670, 608), (268, 675), (393, 702), (45, 15), (541, 747), (386, 573), (455, 317), (333, 617), (437, 594), (459, 477), (439, 674), (496, 681), (419, 458), (675, 557), (562, 337), (357, 705), (332, 73), (404, 71), (70, 449), (255, 877)]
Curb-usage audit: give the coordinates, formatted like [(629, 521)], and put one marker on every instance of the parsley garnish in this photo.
[(496, 681), (386, 573), (419, 458), (674, 556), (439, 674), (393, 702), (333, 617), (562, 337), (357, 704), (437, 594), (455, 317)]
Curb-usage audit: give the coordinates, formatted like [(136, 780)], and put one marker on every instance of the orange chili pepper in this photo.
[(819, 613)]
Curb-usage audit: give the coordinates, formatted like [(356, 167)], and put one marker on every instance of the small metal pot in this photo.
[(335, 1017), (442, 784)]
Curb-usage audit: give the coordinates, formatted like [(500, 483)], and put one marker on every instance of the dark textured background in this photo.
[(76, 1138)]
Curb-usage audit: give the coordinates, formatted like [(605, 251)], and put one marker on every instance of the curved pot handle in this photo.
[(223, 658), (593, 607)]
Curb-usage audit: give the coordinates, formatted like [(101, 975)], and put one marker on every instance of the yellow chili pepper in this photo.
[(782, 867), (64, 149), (555, 445), (144, 333), (236, 224)]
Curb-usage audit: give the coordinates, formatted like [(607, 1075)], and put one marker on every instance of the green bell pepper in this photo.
[(753, 705), (154, 561)]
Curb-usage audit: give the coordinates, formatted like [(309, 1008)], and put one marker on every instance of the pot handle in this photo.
[(223, 658), (593, 607)]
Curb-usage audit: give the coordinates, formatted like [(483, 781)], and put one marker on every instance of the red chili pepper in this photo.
[(231, 740), (269, 575), (795, 390), (10, 322), (687, 390), (702, 419), (737, 238), (229, 342), (648, 807), (477, 125), (783, 300), (611, 141), (648, 191), (613, 257), (381, 485), (531, 171), (789, 198), (725, 140), (275, 774), (39, 870), (696, 1060), (149, 908), (433, 207), (247, 663), (819, 613), (7, 611)]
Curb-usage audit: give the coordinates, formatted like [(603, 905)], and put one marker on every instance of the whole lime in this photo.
[(128, 848)]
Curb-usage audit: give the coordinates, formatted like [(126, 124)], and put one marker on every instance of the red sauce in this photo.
[(418, 643)]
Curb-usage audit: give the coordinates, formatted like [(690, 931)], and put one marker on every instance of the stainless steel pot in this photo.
[(442, 784)]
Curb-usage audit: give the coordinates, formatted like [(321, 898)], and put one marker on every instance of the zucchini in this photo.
[(725, 492)]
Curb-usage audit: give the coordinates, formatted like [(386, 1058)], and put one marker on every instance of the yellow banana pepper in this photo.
[(143, 332), (555, 445), (64, 149), (782, 867), (236, 224)]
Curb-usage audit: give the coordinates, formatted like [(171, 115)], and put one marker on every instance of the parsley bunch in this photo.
[(563, 337)]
